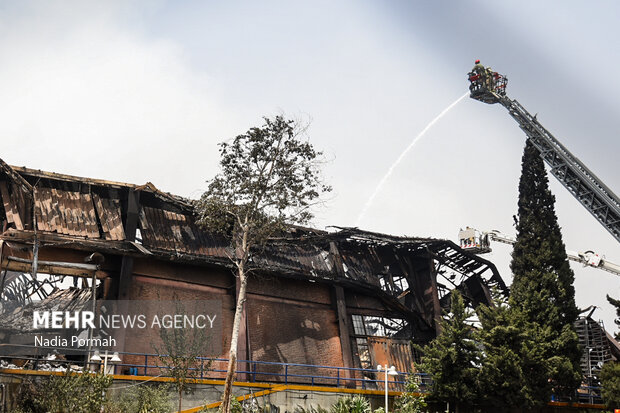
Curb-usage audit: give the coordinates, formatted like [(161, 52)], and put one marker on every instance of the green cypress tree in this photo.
[(513, 370), (452, 359), (610, 381), (542, 288), (501, 377), (616, 303)]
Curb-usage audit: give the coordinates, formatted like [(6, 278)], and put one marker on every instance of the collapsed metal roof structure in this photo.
[(62, 212)]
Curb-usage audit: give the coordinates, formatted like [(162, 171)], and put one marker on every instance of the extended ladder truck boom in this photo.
[(472, 240), (490, 87)]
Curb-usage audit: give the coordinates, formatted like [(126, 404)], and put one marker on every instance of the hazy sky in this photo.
[(140, 91)]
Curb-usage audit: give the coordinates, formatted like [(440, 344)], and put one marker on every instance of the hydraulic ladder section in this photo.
[(589, 190), (472, 240)]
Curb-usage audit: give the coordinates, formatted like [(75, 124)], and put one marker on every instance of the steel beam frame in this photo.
[(586, 187)]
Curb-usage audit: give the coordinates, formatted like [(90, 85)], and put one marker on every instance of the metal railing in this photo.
[(148, 364), (210, 368)]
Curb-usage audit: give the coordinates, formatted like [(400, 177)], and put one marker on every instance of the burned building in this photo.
[(345, 298)]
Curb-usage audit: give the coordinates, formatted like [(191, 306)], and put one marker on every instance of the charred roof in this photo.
[(92, 214)]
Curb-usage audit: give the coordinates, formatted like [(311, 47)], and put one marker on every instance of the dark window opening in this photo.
[(375, 326)]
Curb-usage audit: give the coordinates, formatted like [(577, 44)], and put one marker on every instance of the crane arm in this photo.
[(580, 181), (480, 243), (592, 259), (589, 190)]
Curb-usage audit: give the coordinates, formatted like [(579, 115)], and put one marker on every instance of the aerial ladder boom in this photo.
[(480, 243), (590, 191)]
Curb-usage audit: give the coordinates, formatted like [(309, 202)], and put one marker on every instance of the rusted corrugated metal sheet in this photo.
[(110, 216), (175, 232), (358, 261), (16, 195), (65, 212), (308, 259), (391, 352), (11, 202), (92, 210)]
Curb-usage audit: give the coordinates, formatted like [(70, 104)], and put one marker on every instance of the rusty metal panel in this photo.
[(358, 262), (65, 212), (11, 214), (109, 211), (17, 203), (305, 259), (171, 231), (393, 352), (16, 194)]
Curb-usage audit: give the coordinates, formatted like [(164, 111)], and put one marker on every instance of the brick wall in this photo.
[(292, 322), (148, 340), (288, 321)]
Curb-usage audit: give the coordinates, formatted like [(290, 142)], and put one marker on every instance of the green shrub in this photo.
[(142, 399), (74, 393), (312, 409), (357, 404), (411, 401)]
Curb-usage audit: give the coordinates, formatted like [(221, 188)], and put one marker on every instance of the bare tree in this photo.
[(269, 179)]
